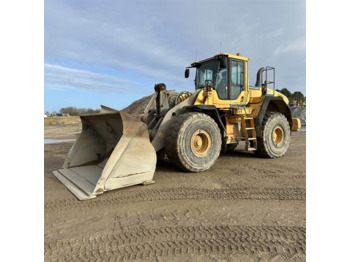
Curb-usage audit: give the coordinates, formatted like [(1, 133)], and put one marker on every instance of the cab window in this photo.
[(237, 79), (222, 87)]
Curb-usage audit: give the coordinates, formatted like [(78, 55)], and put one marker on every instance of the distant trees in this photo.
[(297, 95), (285, 92), (74, 111)]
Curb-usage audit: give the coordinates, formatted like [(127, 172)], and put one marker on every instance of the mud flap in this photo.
[(113, 151)]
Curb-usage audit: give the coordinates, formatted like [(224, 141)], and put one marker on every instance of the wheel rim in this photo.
[(277, 135), (200, 143)]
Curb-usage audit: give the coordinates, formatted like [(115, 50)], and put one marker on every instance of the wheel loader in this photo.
[(117, 150)]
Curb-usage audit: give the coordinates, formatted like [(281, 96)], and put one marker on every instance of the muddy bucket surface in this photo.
[(113, 151)]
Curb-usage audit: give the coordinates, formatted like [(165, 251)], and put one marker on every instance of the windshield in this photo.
[(228, 81), (208, 71)]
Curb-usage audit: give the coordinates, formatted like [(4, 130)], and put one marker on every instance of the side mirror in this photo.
[(187, 73)]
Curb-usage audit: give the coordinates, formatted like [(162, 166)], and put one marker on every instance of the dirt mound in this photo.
[(299, 112), (136, 108)]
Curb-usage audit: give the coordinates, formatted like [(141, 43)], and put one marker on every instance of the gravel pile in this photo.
[(299, 112), (137, 108)]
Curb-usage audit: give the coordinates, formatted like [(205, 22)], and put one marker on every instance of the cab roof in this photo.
[(238, 56)]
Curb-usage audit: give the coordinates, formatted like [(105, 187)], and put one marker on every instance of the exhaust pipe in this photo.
[(259, 77)]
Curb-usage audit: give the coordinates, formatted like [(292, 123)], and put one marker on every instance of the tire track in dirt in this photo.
[(140, 243), (114, 198), (283, 176), (288, 172)]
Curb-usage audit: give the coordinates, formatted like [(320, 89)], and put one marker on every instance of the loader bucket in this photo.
[(113, 151)]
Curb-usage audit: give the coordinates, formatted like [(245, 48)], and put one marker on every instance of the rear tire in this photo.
[(275, 138), (193, 142)]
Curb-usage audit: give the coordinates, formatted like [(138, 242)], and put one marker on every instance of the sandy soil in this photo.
[(244, 209), (61, 120)]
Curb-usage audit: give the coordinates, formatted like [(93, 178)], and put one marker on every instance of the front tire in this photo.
[(193, 142), (275, 138)]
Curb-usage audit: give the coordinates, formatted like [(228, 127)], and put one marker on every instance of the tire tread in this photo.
[(262, 143), (171, 145)]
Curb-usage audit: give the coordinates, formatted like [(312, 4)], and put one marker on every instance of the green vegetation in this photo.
[(74, 111), (297, 95)]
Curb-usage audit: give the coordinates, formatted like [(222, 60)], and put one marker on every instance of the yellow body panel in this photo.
[(255, 92), (258, 93), (233, 129), (211, 98), (270, 92)]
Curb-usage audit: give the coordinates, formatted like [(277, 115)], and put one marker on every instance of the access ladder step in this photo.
[(251, 135), (251, 149)]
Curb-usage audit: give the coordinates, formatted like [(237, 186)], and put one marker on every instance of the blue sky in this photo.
[(113, 52)]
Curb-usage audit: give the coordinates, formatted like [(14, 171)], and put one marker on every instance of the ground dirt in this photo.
[(61, 120), (244, 208)]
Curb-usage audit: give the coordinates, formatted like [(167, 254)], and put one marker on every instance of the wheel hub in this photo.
[(201, 143), (277, 135)]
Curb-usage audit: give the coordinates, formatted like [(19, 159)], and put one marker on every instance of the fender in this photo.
[(273, 103), (210, 110)]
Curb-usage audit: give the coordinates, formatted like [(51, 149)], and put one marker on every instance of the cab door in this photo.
[(237, 82)]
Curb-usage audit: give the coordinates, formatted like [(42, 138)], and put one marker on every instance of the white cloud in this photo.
[(296, 46), (61, 78), (275, 33)]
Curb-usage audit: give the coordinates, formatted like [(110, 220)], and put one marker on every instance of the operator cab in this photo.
[(224, 73)]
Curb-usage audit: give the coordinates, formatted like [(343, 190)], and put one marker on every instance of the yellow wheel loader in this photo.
[(116, 150)]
